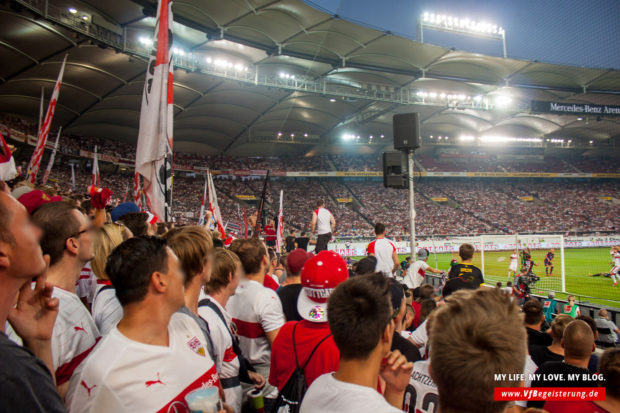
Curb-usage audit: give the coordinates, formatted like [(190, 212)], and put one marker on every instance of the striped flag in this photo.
[(126, 192), (201, 220), (137, 192), (154, 149), (280, 225), (214, 207), (50, 164), (7, 163), (35, 160)]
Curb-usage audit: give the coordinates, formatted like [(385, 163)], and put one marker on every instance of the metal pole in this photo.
[(411, 203), (504, 43), (562, 262)]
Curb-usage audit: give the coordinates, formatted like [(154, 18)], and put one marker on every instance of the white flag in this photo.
[(7, 163), (201, 220), (50, 164), (95, 173), (137, 192), (35, 160), (213, 206), (280, 225), (154, 149), (72, 165)]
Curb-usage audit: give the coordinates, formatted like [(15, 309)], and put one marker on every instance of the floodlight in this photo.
[(72, 10)]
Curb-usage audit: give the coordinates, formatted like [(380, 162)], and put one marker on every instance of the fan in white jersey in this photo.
[(256, 310), (68, 239), (106, 309), (154, 357), (324, 223), (513, 269), (385, 251), (225, 275), (416, 272), (360, 319), (421, 394)]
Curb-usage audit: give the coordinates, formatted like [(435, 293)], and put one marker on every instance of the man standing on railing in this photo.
[(325, 224)]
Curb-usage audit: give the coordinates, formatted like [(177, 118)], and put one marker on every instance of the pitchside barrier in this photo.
[(586, 308), (572, 265)]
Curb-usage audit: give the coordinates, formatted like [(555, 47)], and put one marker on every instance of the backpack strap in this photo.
[(311, 353), (105, 287)]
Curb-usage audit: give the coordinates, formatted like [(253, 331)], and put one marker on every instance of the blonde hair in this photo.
[(474, 335), (106, 239), (558, 325), (225, 263), (192, 245)]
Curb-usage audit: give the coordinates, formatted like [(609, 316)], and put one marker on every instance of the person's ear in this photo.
[(71, 245), (5, 249), (159, 282), (387, 332)]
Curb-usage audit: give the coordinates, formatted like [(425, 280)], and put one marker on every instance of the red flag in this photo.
[(7, 163), (50, 163), (35, 160), (154, 149)]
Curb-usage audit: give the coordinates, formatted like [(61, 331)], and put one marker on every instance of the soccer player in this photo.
[(514, 264), (615, 270), (549, 262)]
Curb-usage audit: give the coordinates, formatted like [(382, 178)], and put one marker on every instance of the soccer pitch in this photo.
[(579, 265)]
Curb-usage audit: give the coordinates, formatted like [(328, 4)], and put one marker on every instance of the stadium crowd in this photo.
[(119, 319)]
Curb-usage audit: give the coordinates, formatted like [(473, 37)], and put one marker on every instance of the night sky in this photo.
[(569, 32)]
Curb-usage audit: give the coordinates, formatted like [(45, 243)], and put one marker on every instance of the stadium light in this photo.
[(72, 10), (466, 138), (458, 25), (505, 139), (332, 100), (145, 41)]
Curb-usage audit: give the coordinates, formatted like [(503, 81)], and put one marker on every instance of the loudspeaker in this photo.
[(406, 131), (395, 170)]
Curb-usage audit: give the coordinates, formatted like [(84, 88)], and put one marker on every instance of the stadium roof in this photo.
[(279, 77)]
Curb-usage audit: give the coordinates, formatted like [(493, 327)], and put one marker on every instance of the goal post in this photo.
[(497, 259)]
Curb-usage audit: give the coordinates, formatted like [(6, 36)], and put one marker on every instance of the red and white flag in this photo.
[(7, 163), (213, 206), (35, 160), (280, 234), (201, 217), (50, 163), (154, 149), (137, 192), (95, 173)]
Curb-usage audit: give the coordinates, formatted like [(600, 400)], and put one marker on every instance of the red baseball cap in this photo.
[(34, 199), (319, 276), (296, 259)]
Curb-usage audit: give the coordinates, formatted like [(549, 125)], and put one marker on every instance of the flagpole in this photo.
[(41, 111), (50, 163), (261, 206)]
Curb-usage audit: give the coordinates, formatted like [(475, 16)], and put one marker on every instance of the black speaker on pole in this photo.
[(406, 131), (395, 170)]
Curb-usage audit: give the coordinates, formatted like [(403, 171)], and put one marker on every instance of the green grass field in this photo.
[(579, 265)]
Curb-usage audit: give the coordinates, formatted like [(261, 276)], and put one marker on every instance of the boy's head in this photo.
[(533, 311), (466, 252), (477, 331), (379, 228), (360, 316), (226, 272)]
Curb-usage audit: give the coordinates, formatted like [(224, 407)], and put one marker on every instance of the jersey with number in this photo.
[(421, 395), (106, 309), (74, 335), (383, 249), (122, 375), (323, 221), (255, 310), (227, 361)]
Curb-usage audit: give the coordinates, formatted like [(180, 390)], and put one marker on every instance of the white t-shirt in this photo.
[(514, 261), (415, 274), (228, 362), (383, 249), (616, 257), (420, 337), (254, 310), (122, 375), (529, 369), (326, 395), (323, 221), (106, 309), (422, 393), (74, 335)]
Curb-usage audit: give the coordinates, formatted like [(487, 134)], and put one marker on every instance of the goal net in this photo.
[(540, 257), (581, 265)]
